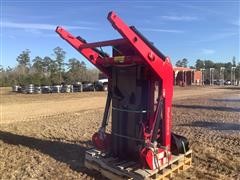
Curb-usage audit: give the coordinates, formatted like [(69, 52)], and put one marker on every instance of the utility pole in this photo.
[(233, 79), (203, 78), (222, 69), (60, 73), (212, 76)]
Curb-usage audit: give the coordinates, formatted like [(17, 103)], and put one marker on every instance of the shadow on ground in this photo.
[(214, 125), (71, 154), (230, 87), (216, 108), (225, 100)]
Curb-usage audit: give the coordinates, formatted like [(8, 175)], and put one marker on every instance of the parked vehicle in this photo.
[(88, 87), (104, 83), (98, 86), (218, 82), (227, 82), (77, 87), (46, 89), (38, 89), (29, 89), (16, 88), (207, 82), (56, 88), (67, 88)]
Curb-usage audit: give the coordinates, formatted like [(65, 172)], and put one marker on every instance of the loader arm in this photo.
[(140, 94), (90, 54), (160, 64)]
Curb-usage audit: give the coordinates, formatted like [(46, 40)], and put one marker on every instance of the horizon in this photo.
[(180, 29)]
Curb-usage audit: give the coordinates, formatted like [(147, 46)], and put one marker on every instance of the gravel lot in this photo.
[(45, 136)]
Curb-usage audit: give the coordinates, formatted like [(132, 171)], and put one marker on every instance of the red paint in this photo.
[(101, 141), (134, 51)]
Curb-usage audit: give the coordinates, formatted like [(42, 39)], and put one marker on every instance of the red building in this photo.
[(182, 76), (186, 76)]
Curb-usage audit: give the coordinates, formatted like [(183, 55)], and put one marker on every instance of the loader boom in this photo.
[(140, 94)]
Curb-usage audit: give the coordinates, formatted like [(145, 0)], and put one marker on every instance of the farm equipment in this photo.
[(140, 144)]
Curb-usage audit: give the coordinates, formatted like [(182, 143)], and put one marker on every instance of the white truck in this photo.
[(104, 82)]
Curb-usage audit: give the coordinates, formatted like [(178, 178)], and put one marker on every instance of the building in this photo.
[(186, 76), (182, 76)]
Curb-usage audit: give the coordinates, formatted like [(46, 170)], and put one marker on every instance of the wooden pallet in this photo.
[(113, 168)]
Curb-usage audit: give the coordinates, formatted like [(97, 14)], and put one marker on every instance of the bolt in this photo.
[(91, 57), (151, 57), (135, 39)]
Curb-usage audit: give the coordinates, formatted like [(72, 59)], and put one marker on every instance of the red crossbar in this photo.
[(104, 43)]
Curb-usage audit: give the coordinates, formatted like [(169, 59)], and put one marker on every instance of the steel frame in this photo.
[(159, 65)]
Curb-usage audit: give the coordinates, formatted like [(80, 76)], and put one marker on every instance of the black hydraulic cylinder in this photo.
[(158, 120), (81, 39), (106, 111)]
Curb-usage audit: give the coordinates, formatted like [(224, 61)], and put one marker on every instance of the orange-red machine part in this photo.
[(144, 54)]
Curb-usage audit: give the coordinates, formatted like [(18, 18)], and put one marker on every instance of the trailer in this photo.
[(140, 144)]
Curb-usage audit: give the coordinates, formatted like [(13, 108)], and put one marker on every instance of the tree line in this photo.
[(46, 70), (53, 70), (207, 64)]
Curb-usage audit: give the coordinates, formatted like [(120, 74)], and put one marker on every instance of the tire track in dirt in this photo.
[(214, 135), (214, 138), (15, 112), (58, 141)]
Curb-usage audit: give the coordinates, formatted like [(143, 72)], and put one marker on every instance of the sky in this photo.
[(197, 29)]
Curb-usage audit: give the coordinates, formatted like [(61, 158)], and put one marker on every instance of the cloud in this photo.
[(179, 18), (162, 30), (236, 23), (216, 37), (38, 26), (12, 37), (34, 31), (208, 51), (144, 7), (200, 8), (40, 33), (39, 30), (86, 22)]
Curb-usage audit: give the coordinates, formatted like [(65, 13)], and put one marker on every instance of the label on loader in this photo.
[(119, 59), (160, 155)]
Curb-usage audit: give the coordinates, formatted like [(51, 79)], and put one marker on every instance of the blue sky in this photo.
[(180, 29)]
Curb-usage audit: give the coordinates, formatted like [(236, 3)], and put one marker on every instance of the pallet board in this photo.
[(113, 168)]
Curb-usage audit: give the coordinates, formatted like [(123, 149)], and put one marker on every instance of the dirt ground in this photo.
[(45, 136)]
